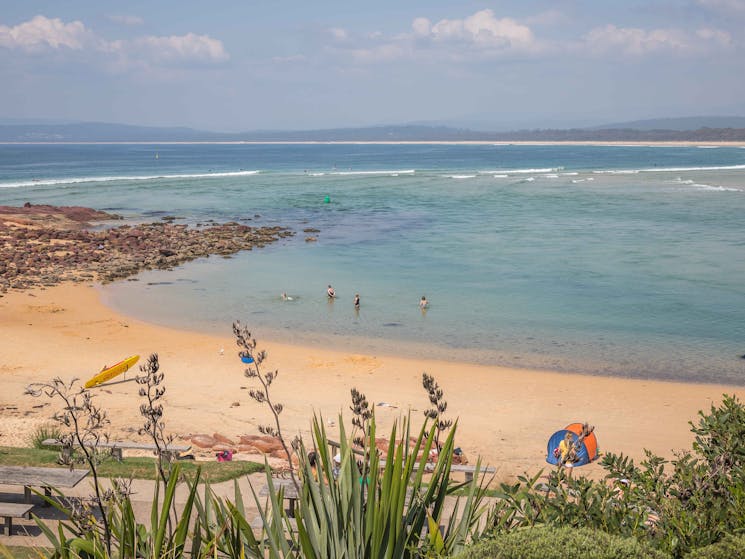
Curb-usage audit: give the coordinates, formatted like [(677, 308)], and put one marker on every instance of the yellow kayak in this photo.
[(110, 372)]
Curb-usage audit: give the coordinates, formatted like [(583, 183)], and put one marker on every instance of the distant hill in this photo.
[(641, 131), (97, 132), (679, 124)]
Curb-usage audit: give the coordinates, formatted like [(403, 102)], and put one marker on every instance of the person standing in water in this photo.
[(357, 302), (423, 303), (331, 293)]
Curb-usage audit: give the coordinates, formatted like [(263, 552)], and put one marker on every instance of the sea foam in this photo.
[(79, 180), (522, 171), (667, 170), (393, 173)]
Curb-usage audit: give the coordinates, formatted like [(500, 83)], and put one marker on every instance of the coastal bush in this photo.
[(547, 542), (729, 547), (676, 506)]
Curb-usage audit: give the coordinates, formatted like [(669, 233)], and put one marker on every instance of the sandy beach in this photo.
[(505, 415)]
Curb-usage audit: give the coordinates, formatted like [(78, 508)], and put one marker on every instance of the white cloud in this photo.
[(638, 42), (179, 48), (481, 28), (41, 33), (422, 27), (126, 19), (339, 34), (635, 41), (717, 36)]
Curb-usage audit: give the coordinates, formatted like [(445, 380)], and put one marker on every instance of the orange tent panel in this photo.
[(590, 441)]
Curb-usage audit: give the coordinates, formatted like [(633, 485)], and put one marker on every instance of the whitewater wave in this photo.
[(500, 176), (551, 176), (716, 188), (668, 170), (683, 169), (79, 180), (393, 173), (522, 171), (700, 186), (461, 176)]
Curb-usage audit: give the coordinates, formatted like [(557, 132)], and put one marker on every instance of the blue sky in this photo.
[(230, 66)]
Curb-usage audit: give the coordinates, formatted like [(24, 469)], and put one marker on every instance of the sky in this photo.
[(248, 65)]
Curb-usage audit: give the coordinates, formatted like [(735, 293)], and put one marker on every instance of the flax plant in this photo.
[(262, 395), (83, 424)]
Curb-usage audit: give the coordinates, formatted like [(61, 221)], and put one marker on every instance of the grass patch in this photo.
[(15, 456), (22, 552), (135, 467), (42, 433)]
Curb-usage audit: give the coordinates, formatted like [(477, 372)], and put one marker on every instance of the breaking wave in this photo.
[(79, 180)]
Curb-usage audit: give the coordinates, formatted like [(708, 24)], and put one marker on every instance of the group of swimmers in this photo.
[(423, 303), (331, 294)]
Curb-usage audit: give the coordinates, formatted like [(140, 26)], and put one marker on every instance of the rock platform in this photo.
[(47, 245)]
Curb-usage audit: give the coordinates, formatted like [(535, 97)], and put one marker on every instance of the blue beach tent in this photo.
[(586, 452)]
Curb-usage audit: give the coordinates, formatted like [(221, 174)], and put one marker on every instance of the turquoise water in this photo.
[(613, 260)]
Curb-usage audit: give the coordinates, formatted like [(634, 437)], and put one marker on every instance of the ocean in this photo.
[(617, 260)]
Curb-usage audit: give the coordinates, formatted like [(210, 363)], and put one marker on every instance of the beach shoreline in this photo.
[(505, 415)]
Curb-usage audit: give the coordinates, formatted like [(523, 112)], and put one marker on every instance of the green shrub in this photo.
[(43, 432), (731, 547), (546, 542), (676, 505)]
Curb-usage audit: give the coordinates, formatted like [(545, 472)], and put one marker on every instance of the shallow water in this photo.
[(614, 260)]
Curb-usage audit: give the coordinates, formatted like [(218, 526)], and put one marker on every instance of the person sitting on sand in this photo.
[(331, 293), (423, 303), (567, 452)]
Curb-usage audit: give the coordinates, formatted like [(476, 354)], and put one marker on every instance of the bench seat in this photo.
[(470, 470), (9, 511)]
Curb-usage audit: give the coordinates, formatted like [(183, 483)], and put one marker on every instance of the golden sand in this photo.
[(505, 415)]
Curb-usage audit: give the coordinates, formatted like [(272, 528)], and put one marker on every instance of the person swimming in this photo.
[(331, 293), (286, 297)]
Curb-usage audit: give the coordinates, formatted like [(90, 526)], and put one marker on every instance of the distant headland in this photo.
[(690, 129)]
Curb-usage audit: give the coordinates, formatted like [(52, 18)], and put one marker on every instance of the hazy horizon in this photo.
[(508, 65)]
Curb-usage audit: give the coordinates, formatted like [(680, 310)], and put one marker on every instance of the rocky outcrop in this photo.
[(62, 217), (37, 255)]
